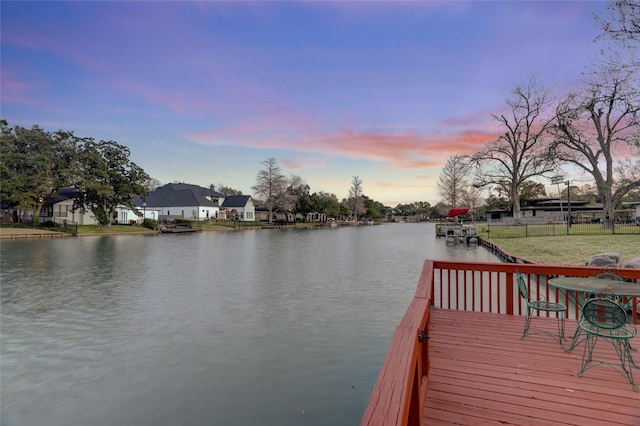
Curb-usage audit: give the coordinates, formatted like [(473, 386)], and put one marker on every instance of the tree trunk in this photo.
[(516, 203)]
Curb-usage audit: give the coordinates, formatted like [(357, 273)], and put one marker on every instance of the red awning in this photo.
[(456, 212)]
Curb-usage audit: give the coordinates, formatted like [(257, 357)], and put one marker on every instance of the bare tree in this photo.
[(356, 199), (295, 187), (227, 190), (622, 27), (623, 24), (270, 185), (595, 124), (454, 178), (152, 184), (471, 198), (519, 153)]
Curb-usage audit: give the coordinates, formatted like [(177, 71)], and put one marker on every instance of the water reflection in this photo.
[(256, 327)]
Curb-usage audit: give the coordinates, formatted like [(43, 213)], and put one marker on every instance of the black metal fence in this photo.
[(548, 229)]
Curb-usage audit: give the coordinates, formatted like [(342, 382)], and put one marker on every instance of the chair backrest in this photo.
[(609, 275), (604, 313), (522, 286)]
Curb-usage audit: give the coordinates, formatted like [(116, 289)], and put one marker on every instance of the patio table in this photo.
[(579, 288), (599, 286)]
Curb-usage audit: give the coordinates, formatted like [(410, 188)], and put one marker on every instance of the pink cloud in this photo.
[(297, 163), (475, 119), (403, 186), (13, 89), (178, 100), (408, 150), (18, 90)]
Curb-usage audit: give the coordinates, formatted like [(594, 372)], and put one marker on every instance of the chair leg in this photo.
[(624, 354), (527, 323), (575, 340), (589, 344), (623, 349), (560, 327), (559, 321)]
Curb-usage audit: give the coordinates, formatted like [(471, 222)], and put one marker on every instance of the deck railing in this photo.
[(399, 394)]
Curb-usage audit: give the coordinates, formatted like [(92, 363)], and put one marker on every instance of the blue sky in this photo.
[(203, 92)]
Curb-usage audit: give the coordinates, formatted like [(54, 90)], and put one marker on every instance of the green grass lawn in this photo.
[(573, 250), (114, 229), (216, 226)]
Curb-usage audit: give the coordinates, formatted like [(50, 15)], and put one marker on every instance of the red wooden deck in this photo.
[(481, 373)]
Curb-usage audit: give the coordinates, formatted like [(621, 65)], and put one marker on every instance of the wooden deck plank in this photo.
[(483, 373)]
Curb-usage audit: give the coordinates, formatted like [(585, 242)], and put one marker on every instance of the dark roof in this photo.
[(195, 188), (62, 194), (554, 202), (68, 192), (236, 201), (180, 194)]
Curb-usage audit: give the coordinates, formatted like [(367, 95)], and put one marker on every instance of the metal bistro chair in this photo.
[(603, 274), (626, 305), (609, 275), (605, 318), (540, 304), (613, 275)]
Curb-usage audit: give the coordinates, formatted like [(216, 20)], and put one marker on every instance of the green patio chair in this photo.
[(608, 274), (626, 304), (613, 275), (540, 304), (604, 318)]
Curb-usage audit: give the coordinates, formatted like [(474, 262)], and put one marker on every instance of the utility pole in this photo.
[(557, 180), (568, 205)]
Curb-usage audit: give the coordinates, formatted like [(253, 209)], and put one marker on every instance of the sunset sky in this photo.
[(203, 92)]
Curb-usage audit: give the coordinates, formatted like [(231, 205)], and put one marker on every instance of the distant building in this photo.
[(556, 210), (239, 207), (186, 201)]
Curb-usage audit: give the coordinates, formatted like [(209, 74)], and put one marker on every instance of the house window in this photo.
[(46, 211), (62, 211)]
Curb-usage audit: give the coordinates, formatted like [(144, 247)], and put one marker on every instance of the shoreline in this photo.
[(28, 233), (21, 233)]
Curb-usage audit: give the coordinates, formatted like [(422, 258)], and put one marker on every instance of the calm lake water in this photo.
[(269, 327)]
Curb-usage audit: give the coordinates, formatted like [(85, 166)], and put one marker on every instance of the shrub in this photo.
[(150, 223)]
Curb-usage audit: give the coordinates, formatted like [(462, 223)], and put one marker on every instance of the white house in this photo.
[(182, 200), (239, 207), (60, 210)]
